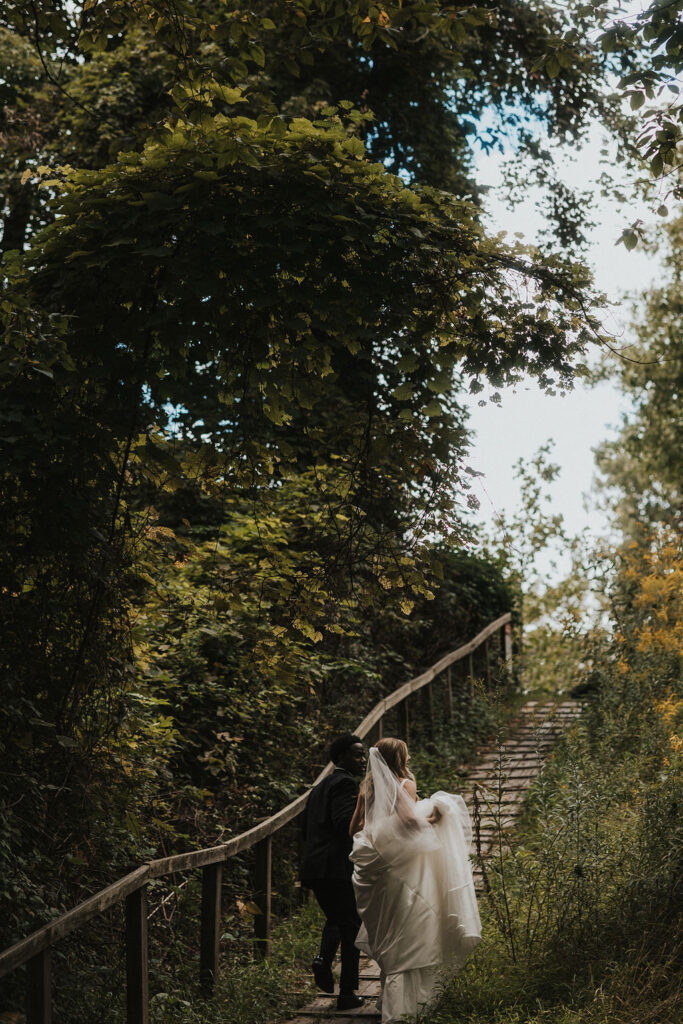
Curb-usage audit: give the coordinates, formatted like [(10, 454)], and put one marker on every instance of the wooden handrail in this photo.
[(426, 677), (39, 941)]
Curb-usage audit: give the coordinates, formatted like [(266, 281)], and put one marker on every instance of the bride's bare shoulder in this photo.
[(410, 786)]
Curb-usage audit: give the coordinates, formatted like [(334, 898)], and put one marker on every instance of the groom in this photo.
[(327, 870)]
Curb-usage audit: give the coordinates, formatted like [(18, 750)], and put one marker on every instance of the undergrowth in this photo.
[(582, 917), (247, 991), (252, 991)]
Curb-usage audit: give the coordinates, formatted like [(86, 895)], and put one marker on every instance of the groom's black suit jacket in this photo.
[(325, 827)]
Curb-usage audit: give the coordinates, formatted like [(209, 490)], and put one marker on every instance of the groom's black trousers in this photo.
[(338, 903)]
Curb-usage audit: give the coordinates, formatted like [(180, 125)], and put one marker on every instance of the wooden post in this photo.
[(404, 719), (262, 895), (508, 646), (374, 734), (449, 691), (210, 936), (39, 989), (137, 971), (302, 891), (487, 663), (430, 706)]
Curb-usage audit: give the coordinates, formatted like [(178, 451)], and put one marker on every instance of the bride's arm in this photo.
[(358, 819), (411, 789)]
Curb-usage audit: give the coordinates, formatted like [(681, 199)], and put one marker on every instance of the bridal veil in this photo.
[(414, 888)]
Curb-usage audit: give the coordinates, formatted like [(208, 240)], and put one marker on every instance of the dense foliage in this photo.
[(245, 288), (582, 922)]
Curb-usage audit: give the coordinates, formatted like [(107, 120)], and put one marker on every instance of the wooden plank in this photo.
[(506, 799), (210, 935), (39, 940), (137, 968), (215, 854), (263, 895), (329, 1013), (39, 988)]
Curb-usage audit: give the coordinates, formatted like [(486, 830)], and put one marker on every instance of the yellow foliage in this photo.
[(659, 596), (669, 707)]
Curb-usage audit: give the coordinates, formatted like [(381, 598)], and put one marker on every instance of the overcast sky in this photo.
[(580, 421)]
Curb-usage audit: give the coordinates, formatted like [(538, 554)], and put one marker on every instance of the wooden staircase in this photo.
[(500, 775), (496, 781)]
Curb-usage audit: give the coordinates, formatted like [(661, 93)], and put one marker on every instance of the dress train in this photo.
[(415, 895)]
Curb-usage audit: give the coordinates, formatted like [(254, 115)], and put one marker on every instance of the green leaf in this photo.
[(432, 409), (552, 67), (355, 147)]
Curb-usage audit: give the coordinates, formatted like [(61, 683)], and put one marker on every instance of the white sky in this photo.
[(583, 418)]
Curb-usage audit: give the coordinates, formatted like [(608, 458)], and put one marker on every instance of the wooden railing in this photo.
[(35, 950)]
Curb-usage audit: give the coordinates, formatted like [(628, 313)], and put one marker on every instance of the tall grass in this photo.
[(582, 918)]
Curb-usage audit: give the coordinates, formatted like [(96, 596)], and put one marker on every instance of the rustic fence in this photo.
[(35, 950)]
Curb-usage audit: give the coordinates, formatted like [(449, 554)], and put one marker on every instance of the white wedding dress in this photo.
[(414, 889)]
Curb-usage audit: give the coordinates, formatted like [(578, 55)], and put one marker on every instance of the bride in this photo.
[(412, 880)]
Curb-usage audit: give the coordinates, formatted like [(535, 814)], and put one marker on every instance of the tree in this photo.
[(642, 468), (94, 78), (650, 44), (232, 306)]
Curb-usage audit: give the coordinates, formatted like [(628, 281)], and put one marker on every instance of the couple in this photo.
[(392, 876)]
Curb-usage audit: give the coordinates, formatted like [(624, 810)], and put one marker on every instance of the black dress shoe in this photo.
[(349, 1001), (322, 972)]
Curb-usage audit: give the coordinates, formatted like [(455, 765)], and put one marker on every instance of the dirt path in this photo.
[(500, 775)]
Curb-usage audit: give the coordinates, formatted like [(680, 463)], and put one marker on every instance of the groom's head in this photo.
[(348, 752)]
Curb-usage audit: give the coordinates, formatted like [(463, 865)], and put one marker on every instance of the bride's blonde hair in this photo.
[(395, 755)]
